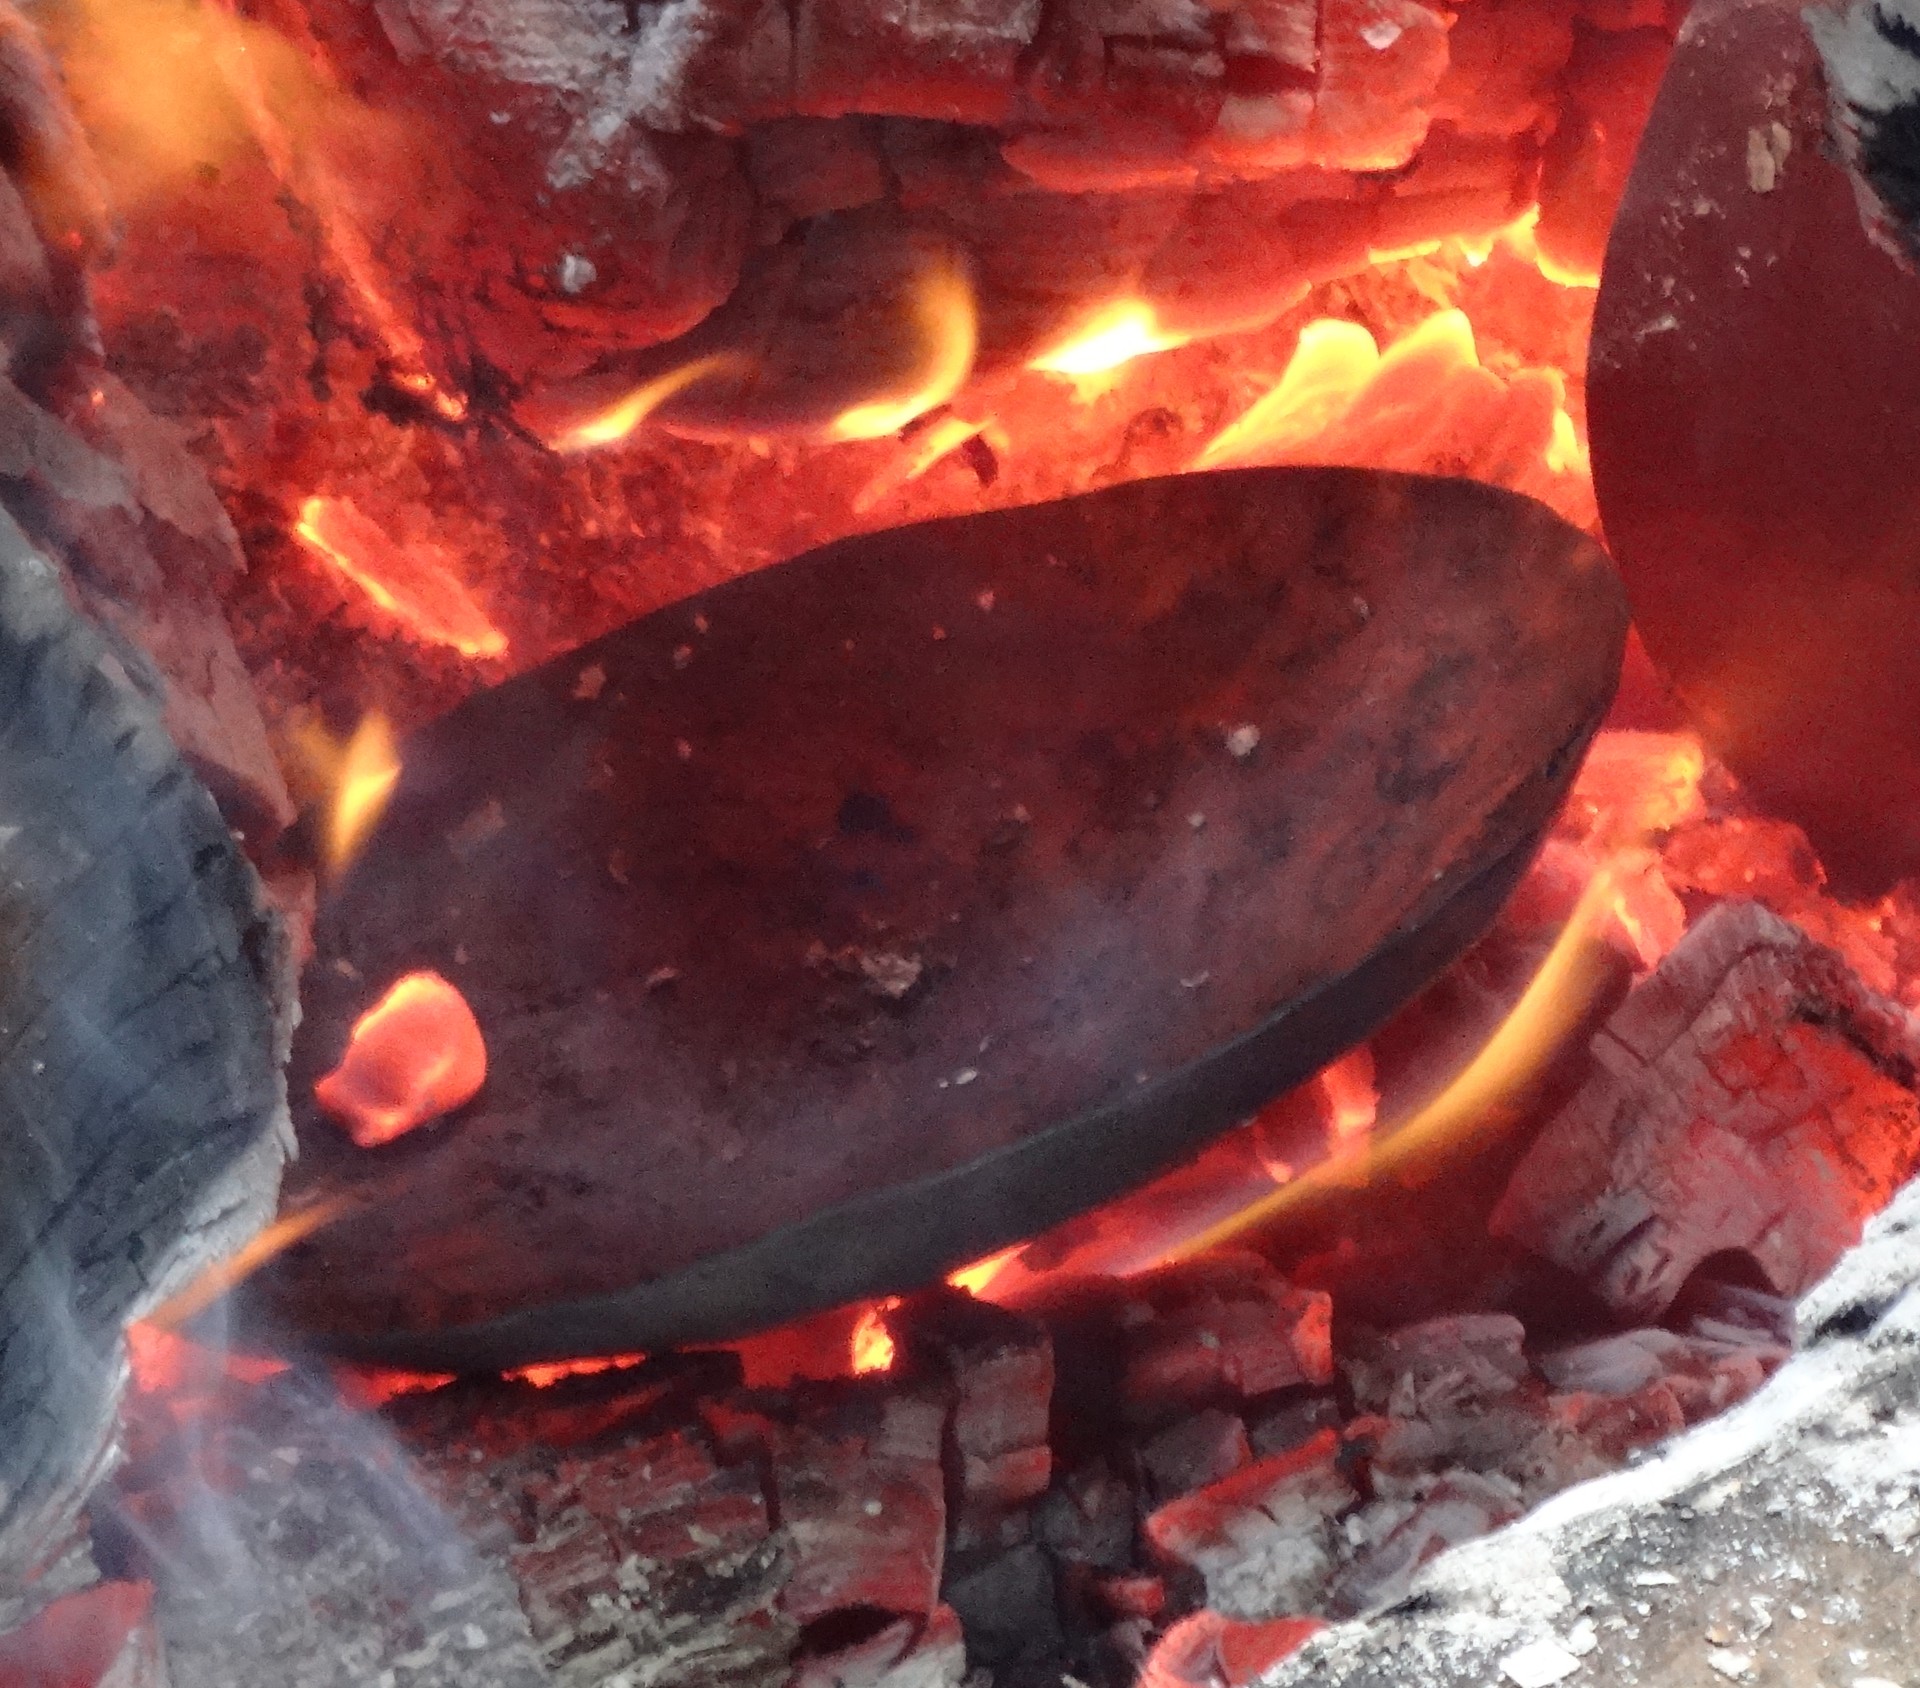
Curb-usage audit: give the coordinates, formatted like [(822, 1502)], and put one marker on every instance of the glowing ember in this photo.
[(413, 1056), (619, 419), (368, 769), (1115, 335), (546, 1376), (1353, 1101), (412, 582), (871, 1347), (948, 330)]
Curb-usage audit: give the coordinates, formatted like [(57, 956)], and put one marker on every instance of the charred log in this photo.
[(146, 1006)]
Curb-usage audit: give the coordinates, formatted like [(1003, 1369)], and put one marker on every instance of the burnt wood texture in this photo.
[(1753, 396), (145, 997), (882, 908)]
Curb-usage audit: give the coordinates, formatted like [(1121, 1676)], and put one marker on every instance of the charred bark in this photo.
[(145, 1006)]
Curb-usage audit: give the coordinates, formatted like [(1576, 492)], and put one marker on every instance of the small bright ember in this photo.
[(948, 330), (410, 582), (368, 770), (616, 421), (871, 1347), (413, 1056), (1114, 335)]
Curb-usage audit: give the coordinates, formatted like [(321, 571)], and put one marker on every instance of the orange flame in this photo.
[(413, 1056), (1112, 336), (1332, 363), (412, 583), (210, 1285), (871, 1347), (1426, 403), (949, 331), (368, 771), (619, 419), (1555, 1001)]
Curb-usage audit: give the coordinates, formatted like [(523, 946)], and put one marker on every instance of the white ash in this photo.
[(1811, 1488)]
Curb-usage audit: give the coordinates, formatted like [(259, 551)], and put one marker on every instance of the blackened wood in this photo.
[(145, 1004), (880, 909), (1753, 405)]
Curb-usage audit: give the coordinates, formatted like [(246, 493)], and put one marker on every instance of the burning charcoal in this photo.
[(1209, 1651), (996, 1369), (861, 1498), (1297, 1414), (1704, 1376), (1225, 1327), (1262, 1538), (904, 1654), (101, 1637), (1461, 1506), (1429, 1368), (1088, 1519), (1751, 1096), (1195, 1452), (1006, 1605)]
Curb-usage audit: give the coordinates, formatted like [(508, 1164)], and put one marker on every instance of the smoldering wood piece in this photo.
[(995, 1369), (1097, 126), (145, 1008), (1263, 1538), (902, 1655), (1658, 1558), (861, 1496), (1750, 1096), (1139, 1354), (880, 909), (289, 1546)]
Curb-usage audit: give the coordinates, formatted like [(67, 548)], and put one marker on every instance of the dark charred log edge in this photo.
[(146, 1005), (896, 1240)]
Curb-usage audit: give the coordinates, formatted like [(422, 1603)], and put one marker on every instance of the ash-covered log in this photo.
[(878, 910)]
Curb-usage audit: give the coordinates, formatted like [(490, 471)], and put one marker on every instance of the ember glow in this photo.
[(415, 1055), (412, 583), (871, 1347), (947, 328), (1426, 404), (1112, 336)]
